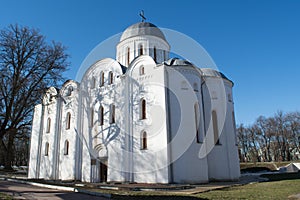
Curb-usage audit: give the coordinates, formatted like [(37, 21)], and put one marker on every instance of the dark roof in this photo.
[(177, 61), (142, 28), (213, 73)]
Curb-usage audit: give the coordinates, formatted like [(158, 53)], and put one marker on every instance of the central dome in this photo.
[(142, 28)]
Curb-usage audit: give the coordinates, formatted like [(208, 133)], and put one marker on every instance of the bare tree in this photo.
[(274, 138), (28, 65)]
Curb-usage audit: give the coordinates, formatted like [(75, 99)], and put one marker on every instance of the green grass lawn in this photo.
[(265, 190), (5, 197)]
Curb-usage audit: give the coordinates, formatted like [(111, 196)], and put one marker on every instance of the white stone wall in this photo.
[(223, 161), (92, 96), (69, 104), (34, 142), (47, 163), (150, 164), (184, 92)]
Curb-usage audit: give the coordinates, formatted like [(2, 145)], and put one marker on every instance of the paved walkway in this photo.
[(25, 191)]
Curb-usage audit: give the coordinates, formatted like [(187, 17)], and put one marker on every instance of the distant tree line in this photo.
[(275, 138)]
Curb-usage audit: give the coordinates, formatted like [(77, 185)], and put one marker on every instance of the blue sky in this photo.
[(255, 43)]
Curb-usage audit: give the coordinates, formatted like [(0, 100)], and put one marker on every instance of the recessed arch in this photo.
[(215, 127)]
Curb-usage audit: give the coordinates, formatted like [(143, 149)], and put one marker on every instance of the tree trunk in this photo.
[(2, 152), (9, 153)]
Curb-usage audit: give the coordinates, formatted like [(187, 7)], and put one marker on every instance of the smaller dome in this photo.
[(142, 28), (177, 61), (213, 73)]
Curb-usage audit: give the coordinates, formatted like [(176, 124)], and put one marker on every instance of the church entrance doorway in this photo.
[(103, 170)]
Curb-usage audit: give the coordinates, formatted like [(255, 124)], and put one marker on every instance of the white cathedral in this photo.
[(141, 118)]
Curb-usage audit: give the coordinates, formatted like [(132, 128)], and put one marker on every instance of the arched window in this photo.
[(68, 121), (195, 86), (154, 54), (141, 50), (142, 70), (69, 91), (143, 109), (46, 149), (197, 121), (101, 115), (112, 114), (48, 125), (110, 78), (144, 140), (66, 148), (128, 55), (215, 127), (93, 84), (92, 117), (101, 79)]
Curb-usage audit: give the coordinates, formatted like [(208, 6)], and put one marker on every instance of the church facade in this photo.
[(140, 118)]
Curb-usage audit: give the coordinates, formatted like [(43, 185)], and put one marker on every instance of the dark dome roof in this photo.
[(213, 73), (177, 61), (142, 28)]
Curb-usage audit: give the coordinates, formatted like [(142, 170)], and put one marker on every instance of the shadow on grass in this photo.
[(155, 197), (281, 176)]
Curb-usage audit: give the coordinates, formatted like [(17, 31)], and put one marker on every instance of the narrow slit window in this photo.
[(141, 50), (91, 117), (101, 115), (111, 78), (46, 149), (66, 148), (197, 121), (93, 84), (144, 140), (112, 114), (102, 79), (69, 91), (128, 55), (215, 127), (68, 121), (154, 54), (48, 125), (142, 70), (143, 109)]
